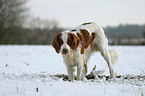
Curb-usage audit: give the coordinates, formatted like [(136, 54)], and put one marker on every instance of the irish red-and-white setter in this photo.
[(77, 45)]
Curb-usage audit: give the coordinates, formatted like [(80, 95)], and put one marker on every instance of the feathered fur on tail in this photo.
[(114, 56)]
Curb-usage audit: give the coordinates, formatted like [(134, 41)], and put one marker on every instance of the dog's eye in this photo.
[(77, 41), (72, 38)]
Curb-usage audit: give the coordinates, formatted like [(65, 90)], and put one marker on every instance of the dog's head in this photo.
[(70, 40), (65, 41)]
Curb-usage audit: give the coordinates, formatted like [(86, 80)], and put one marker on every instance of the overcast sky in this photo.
[(71, 13)]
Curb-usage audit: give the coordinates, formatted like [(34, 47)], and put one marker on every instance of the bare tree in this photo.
[(12, 14)]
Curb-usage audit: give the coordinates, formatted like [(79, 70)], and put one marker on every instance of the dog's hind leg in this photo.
[(105, 53)]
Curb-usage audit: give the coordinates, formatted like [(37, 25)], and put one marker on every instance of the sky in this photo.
[(72, 13)]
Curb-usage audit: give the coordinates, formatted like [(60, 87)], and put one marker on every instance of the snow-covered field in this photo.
[(29, 71)]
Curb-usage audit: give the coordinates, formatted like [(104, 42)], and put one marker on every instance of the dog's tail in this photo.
[(114, 56)]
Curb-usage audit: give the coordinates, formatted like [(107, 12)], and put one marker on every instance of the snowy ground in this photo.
[(30, 70)]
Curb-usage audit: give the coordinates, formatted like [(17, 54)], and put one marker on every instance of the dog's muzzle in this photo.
[(65, 51)]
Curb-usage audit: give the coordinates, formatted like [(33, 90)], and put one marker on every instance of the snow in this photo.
[(27, 71)]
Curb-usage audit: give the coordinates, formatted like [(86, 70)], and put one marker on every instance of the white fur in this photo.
[(75, 58)]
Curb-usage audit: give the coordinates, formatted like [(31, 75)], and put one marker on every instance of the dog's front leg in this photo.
[(70, 71), (80, 71)]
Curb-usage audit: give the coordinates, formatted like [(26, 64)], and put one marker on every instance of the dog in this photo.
[(77, 46)]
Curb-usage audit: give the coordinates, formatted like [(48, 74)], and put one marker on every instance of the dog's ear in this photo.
[(73, 41), (82, 42), (57, 42)]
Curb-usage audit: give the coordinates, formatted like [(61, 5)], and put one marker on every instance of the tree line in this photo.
[(17, 28), (128, 34)]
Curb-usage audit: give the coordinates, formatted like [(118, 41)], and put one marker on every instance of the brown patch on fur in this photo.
[(86, 23), (73, 41), (73, 30), (86, 39), (92, 38), (57, 42)]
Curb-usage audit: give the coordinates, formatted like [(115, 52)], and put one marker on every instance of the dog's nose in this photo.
[(65, 51)]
